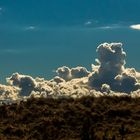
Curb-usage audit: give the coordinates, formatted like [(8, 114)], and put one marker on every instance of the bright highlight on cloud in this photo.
[(108, 77), (137, 26)]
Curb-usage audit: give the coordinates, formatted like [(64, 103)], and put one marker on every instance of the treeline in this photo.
[(87, 118)]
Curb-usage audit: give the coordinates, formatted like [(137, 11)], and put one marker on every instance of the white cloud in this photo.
[(109, 77), (70, 73), (24, 82), (136, 26)]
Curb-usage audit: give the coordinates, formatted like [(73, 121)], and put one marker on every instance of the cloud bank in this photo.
[(107, 77)]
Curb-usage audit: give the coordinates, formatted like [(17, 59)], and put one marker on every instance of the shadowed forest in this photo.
[(87, 118)]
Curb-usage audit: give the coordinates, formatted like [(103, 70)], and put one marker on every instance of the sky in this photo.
[(63, 37), (68, 12), (41, 31)]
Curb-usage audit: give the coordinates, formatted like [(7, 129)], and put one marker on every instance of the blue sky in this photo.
[(68, 12), (31, 41)]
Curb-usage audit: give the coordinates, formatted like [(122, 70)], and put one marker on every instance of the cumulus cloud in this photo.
[(127, 82), (24, 82), (136, 26), (71, 73), (64, 72), (112, 71), (108, 77), (105, 88), (111, 60), (57, 79)]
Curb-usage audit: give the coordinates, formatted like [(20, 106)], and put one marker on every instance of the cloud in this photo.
[(91, 22), (111, 70), (108, 77), (113, 26), (67, 74), (11, 51), (105, 88), (106, 27), (30, 28), (64, 72), (1, 10), (88, 23), (136, 26), (127, 82), (24, 82), (57, 79)]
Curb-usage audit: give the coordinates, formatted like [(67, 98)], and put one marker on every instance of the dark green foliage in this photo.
[(87, 118), (122, 131)]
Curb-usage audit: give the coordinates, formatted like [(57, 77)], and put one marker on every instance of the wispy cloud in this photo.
[(1, 10), (113, 26), (15, 51), (136, 26), (91, 22), (106, 27), (88, 23), (30, 28)]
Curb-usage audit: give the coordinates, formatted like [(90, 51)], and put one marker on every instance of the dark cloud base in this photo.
[(108, 77)]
